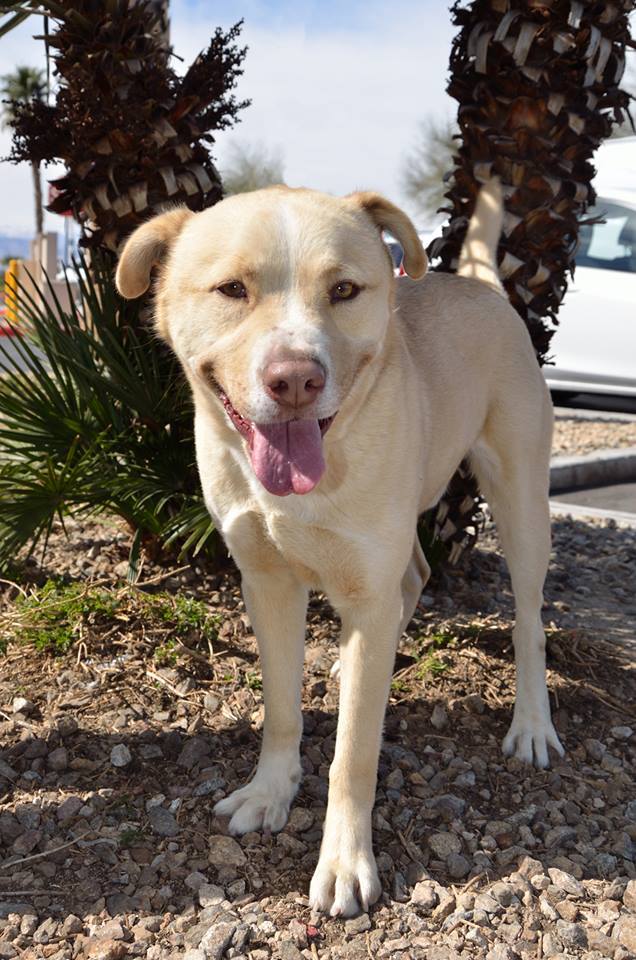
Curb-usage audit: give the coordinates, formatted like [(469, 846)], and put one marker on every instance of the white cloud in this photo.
[(342, 104)]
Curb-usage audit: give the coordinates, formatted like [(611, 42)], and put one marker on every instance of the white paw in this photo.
[(345, 883), (264, 802), (529, 737)]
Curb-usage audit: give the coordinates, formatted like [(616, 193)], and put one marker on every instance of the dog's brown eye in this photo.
[(234, 289), (345, 290)]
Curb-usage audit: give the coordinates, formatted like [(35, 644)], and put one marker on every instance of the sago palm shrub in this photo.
[(94, 418)]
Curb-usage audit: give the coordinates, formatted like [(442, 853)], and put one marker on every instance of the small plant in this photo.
[(52, 617), (254, 680), (57, 615), (438, 641), (165, 654), (129, 837), (431, 666), (188, 614)]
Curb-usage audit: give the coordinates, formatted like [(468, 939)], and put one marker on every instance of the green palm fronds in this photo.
[(95, 417)]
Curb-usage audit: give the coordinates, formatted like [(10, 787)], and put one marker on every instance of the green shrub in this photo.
[(95, 417)]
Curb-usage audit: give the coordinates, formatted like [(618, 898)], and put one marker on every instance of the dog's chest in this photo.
[(322, 558)]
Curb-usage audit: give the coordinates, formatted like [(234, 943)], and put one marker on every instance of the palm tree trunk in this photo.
[(37, 196), (538, 87), (148, 144)]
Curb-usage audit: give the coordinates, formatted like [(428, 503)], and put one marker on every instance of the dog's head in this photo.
[(275, 303)]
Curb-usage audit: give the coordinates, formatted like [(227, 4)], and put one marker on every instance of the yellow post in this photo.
[(11, 291)]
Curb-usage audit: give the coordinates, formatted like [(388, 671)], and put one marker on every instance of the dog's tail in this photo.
[(478, 258)]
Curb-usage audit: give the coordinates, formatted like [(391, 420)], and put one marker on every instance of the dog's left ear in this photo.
[(389, 217)]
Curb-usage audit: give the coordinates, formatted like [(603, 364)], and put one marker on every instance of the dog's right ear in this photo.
[(146, 248)]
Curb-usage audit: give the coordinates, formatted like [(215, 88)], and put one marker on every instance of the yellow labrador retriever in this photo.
[(333, 404)]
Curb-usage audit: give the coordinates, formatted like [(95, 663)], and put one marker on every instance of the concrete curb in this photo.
[(574, 413), (597, 469), (578, 512)]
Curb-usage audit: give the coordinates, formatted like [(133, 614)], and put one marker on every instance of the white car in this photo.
[(594, 346)]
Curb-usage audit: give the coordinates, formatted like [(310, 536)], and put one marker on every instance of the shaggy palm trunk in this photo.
[(537, 83)]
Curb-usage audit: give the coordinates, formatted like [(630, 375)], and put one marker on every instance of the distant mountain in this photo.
[(14, 246)]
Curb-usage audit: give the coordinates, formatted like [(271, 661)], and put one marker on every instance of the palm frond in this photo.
[(95, 416)]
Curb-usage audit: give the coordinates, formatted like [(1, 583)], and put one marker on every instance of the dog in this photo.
[(333, 402)]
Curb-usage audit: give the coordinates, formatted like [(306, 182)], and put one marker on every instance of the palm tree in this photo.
[(538, 87), (133, 136), (21, 87)]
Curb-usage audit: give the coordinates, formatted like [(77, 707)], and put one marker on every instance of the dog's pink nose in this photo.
[(294, 382)]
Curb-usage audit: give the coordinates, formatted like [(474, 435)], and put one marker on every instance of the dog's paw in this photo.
[(264, 802), (529, 739), (343, 885)]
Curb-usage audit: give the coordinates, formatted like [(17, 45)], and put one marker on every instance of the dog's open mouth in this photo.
[(286, 457)]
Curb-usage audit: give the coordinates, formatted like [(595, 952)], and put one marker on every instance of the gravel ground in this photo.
[(113, 755), (574, 436)]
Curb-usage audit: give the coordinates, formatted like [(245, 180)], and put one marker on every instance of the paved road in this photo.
[(619, 496)]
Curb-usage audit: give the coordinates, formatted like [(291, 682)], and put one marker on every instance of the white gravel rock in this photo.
[(225, 850), (439, 717), (22, 705), (424, 896), (565, 882), (210, 894), (120, 755), (443, 844), (621, 733), (215, 942)]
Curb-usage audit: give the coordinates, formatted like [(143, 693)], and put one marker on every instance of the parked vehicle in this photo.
[(594, 347)]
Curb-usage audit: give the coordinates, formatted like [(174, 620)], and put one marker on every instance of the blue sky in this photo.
[(338, 89), (320, 15)]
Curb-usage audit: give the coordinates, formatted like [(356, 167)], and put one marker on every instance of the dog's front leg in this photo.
[(346, 877), (277, 606)]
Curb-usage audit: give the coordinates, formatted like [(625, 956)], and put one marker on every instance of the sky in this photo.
[(337, 88)]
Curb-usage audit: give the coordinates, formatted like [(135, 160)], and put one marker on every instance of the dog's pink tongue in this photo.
[(287, 457)]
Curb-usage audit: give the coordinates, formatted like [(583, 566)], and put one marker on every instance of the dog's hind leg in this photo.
[(511, 463), (277, 607)]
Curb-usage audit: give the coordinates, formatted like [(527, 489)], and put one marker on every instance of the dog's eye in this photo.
[(344, 290), (234, 289)]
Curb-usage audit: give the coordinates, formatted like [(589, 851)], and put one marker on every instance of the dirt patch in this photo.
[(115, 751)]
